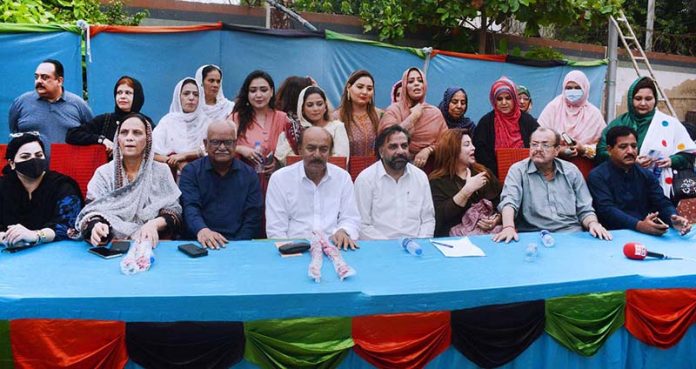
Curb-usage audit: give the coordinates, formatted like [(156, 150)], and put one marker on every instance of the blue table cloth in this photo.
[(249, 280)]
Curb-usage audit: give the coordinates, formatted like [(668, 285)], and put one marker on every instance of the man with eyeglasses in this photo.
[(221, 195), (48, 109), (628, 196), (544, 192), (313, 195)]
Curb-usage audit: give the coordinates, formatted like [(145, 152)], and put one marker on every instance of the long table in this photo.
[(250, 281)]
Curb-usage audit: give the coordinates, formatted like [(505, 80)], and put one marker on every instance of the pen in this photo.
[(441, 244)]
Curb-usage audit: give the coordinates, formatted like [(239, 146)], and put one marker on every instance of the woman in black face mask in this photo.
[(36, 205)]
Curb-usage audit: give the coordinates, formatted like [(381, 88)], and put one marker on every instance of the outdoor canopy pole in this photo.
[(612, 55), (292, 14)]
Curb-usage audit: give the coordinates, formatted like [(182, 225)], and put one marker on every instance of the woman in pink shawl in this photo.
[(571, 113), (424, 121)]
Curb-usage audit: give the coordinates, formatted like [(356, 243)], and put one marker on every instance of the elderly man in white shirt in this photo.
[(393, 196), (313, 195)]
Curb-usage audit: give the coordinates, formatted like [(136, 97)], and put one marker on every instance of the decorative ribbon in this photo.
[(320, 343), (6, 360), (583, 323), (401, 341), (44, 343), (209, 345), (494, 335), (660, 317)]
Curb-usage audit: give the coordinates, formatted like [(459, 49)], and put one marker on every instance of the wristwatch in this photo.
[(101, 139)]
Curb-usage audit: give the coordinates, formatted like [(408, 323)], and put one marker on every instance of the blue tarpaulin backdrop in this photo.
[(159, 61), (21, 53)]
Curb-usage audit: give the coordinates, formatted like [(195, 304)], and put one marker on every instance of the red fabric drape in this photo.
[(403, 341), (486, 57), (74, 344), (660, 317), (99, 28)]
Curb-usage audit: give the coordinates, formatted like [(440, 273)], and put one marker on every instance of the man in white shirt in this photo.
[(393, 196), (313, 195)]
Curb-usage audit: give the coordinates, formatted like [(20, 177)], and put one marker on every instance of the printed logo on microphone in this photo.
[(641, 250)]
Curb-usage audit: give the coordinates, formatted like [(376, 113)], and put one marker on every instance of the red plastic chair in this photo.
[(584, 164), (78, 162), (3, 161), (507, 157), (358, 164), (339, 161)]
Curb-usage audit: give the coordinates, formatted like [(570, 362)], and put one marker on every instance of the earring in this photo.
[(349, 96)]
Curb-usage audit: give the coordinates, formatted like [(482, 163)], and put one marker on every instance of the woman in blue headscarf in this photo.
[(453, 106)]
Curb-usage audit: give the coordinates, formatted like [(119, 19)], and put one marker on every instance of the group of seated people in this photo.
[(197, 174)]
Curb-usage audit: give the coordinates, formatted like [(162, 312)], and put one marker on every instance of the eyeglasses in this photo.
[(20, 134), (217, 143), (544, 146)]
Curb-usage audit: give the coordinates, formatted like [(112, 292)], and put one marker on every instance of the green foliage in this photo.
[(543, 53), (393, 18), (674, 29), (67, 11)]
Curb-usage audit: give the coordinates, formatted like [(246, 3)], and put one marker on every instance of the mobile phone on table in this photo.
[(121, 246), (294, 248), (106, 252), (192, 250)]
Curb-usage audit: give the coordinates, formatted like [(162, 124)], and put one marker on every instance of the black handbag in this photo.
[(683, 184)]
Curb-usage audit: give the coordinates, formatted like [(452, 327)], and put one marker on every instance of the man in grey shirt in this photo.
[(543, 192), (49, 109)]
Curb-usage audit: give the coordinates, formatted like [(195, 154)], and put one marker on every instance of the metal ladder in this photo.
[(632, 40)]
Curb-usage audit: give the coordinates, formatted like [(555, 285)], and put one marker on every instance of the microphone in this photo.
[(637, 251)]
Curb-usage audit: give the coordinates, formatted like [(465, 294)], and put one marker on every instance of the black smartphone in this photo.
[(120, 246), (105, 252), (192, 250), (294, 248), (568, 140)]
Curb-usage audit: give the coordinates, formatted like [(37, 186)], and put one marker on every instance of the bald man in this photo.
[(220, 195), (313, 195)]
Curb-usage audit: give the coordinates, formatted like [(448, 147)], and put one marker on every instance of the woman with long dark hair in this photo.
[(258, 121), (359, 113)]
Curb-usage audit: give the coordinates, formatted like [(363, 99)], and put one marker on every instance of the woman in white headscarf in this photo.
[(178, 138), (132, 196), (313, 110), (215, 105)]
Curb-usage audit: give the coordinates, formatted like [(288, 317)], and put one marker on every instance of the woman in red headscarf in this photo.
[(423, 121), (504, 127)]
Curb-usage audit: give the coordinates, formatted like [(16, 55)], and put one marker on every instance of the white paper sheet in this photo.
[(462, 247)]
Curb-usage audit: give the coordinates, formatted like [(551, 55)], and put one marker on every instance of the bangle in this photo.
[(40, 236)]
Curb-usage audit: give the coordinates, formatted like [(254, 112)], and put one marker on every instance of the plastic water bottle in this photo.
[(547, 239), (257, 150), (411, 246), (531, 252)]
